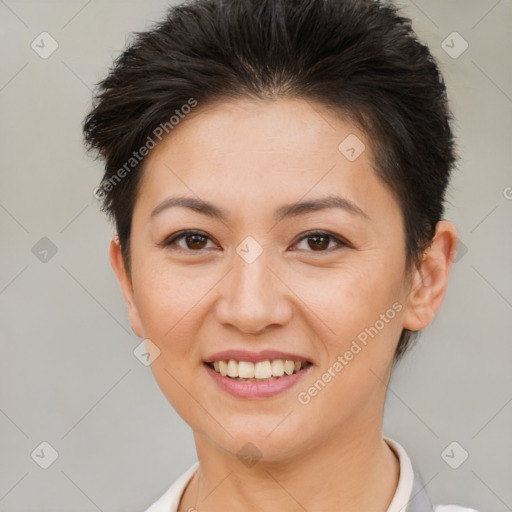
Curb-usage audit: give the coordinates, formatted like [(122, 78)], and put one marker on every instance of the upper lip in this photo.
[(254, 357)]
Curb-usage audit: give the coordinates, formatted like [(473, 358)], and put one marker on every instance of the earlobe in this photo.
[(119, 267), (430, 280)]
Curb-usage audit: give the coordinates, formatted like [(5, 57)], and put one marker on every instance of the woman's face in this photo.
[(251, 280)]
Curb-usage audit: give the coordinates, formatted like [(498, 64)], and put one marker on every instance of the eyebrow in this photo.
[(283, 212)]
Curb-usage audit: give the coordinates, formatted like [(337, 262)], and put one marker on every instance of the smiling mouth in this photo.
[(261, 371)]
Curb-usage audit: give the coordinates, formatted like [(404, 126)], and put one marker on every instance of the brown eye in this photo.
[(320, 242), (193, 241)]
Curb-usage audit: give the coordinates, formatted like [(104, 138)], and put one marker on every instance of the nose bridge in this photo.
[(253, 297), (253, 278)]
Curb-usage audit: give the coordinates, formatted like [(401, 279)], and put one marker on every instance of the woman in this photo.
[(276, 172)]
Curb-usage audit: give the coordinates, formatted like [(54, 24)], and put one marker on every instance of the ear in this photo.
[(118, 265), (430, 281)]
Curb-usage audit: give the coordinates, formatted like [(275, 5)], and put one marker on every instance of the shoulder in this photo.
[(170, 500), (411, 493), (453, 508)]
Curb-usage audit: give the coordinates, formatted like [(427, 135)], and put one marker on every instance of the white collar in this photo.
[(410, 495)]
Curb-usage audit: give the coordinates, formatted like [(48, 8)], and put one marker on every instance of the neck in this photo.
[(348, 473)]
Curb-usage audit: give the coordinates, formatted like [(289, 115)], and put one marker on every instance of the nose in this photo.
[(253, 297)]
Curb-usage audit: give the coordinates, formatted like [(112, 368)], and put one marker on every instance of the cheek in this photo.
[(364, 314), (348, 300), (166, 296), (361, 308), (168, 299)]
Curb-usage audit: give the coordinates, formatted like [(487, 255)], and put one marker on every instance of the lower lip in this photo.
[(264, 389)]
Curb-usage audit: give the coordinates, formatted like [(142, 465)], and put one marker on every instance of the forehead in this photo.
[(287, 128), (251, 153)]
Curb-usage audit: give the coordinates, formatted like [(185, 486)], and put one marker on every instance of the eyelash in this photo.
[(169, 242)]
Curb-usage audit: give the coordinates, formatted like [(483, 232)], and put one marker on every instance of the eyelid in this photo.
[(171, 240), (342, 242)]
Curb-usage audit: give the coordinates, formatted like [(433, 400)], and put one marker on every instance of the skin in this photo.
[(251, 157)]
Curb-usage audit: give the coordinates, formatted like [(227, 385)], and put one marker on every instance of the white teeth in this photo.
[(256, 380), (277, 368), (232, 368), (246, 370), (223, 368), (288, 367), (263, 370)]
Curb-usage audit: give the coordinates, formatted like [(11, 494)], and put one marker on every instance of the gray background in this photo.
[(68, 375)]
